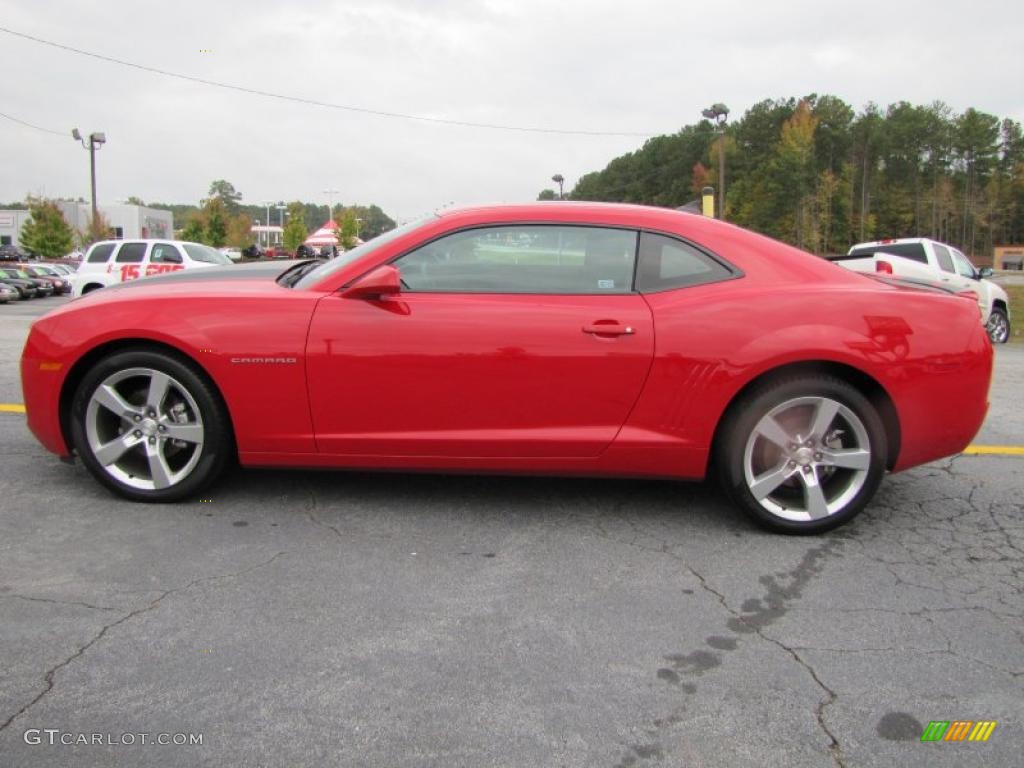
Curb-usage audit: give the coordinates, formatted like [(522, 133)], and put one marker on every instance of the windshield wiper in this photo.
[(296, 273)]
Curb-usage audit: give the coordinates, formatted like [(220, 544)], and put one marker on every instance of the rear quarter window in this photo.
[(667, 263), (100, 253), (131, 253)]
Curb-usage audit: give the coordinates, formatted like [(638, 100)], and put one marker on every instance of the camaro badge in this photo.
[(285, 360)]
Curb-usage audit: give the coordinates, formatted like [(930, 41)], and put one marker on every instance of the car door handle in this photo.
[(609, 328)]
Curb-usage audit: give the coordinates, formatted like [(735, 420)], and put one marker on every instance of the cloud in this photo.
[(648, 67)]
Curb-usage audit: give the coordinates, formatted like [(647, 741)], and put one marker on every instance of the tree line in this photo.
[(814, 173), (220, 220)]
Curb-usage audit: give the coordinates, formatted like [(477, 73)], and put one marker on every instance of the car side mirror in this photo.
[(985, 272), (382, 281)]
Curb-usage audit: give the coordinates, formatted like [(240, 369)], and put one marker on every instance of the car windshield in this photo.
[(346, 258), (206, 254)]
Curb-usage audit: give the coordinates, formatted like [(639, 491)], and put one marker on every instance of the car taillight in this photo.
[(884, 267)]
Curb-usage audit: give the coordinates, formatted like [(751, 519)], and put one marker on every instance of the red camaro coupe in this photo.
[(546, 338)]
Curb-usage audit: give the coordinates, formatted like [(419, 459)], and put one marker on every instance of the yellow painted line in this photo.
[(994, 450), (970, 450)]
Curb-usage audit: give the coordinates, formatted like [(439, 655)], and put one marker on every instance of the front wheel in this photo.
[(998, 326), (149, 427), (803, 455)]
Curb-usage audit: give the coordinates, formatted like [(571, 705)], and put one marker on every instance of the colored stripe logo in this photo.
[(958, 730)]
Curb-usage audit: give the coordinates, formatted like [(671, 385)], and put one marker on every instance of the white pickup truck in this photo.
[(923, 260)]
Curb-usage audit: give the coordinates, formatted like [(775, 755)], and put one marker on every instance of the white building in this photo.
[(127, 221), (11, 222)]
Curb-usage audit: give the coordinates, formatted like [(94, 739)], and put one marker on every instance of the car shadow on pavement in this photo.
[(696, 505)]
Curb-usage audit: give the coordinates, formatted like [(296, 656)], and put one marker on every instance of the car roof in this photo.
[(580, 206), (146, 240)]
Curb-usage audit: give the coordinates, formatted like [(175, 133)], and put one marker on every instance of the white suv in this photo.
[(114, 261)]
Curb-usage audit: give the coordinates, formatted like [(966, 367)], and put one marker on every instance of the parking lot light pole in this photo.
[(719, 113), (330, 202), (559, 179), (96, 141)]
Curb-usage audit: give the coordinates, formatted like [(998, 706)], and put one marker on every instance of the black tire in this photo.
[(742, 448), (998, 326), (202, 411)]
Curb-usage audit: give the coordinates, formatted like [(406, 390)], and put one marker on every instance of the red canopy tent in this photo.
[(326, 235)]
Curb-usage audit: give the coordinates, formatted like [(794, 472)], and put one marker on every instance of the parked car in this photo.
[(235, 254), (61, 267), (114, 261), (59, 282), (8, 293), (254, 251), (11, 252), (632, 341), (279, 252), (25, 288), (919, 258), (43, 287)]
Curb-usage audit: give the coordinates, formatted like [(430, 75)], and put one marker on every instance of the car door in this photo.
[(164, 257), (128, 263), (947, 269), (505, 341), (967, 280)]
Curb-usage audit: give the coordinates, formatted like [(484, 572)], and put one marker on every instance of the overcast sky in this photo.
[(644, 68)]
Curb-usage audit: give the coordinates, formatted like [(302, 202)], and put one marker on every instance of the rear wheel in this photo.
[(802, 455), (150, 427), (998, 326)]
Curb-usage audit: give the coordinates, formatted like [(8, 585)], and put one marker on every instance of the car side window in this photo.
[(131, 253), (527, 258), (165, 253), (667, 263), (100, 253), (943, 257), (964, 268)]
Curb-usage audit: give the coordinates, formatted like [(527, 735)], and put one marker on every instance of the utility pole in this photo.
[(719, 113)]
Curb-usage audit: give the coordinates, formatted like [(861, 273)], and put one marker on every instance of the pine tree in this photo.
[(47, 233), (295, 232)]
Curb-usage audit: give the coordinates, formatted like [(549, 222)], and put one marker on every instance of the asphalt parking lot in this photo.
[(307, 618)]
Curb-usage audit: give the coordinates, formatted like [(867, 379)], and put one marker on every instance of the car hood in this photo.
[(18, 281), (261, 270)]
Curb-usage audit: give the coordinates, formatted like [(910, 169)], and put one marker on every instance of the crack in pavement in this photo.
[(48, 678), (311, 514), (762, 613), (59, 602), (755, 621)]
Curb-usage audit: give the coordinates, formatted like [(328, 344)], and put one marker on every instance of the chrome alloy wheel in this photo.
[(998, 327), (144, 428), (807, 458)]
